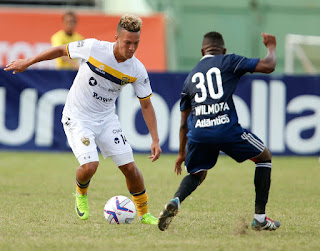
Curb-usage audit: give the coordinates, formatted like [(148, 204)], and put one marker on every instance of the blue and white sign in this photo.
[(284, 111)]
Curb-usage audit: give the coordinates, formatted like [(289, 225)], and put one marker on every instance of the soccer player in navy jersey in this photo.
[(209, 124)]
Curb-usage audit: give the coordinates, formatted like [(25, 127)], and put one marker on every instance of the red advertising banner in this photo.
[(24, 33)]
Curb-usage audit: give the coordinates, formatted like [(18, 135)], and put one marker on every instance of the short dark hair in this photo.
[(70, 13), (130, 23), (215, 38)]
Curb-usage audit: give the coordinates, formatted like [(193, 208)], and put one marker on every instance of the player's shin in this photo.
[(187, 186), (262, 181), (140, 199)]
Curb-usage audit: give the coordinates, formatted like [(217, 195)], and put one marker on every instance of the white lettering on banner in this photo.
[(267, 118), (259, 109), (272, 133), (45, 122), (128, 106), (277, 118), (296, 126), (24, 132), (21, 49), (243, 111), (175, 127), (48, 64)]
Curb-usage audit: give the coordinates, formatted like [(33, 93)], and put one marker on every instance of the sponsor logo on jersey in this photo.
[(116, 140), (67, 123), (146, 81), (124, 80), (103, 99), (220, 120), (92, 81), (116, 131), (101, 67), (106, 88), (97, 70), (80, 43), (85, 141), (113, 90), (211, 109)]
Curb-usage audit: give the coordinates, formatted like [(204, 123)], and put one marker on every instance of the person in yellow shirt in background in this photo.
[(66, 36)]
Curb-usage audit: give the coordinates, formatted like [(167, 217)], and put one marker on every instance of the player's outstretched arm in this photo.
[(21, 65), (183, 141), (151, 121), (268, 63)]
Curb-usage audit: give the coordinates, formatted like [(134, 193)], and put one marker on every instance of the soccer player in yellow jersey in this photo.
[(66, 36), (89, 118)]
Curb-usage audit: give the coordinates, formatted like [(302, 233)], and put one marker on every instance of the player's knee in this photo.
[(129, 169), (269, 155), (265, 156), (201, 176), (90, 167)]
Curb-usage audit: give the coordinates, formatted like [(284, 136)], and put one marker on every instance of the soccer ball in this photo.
[(119, 210)]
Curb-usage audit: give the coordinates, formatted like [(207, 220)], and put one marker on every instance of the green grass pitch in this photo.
[(37, 206)]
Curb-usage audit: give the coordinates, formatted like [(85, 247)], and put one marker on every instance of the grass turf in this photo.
[(37, 207)]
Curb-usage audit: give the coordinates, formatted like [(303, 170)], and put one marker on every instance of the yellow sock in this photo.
[(82, 188), (141, 202)]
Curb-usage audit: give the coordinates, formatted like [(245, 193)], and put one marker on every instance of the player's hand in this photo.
[(155, 151), (177, 168), (269, 40), (16, 66)]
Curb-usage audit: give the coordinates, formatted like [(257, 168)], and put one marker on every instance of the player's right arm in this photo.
[(21, 65), (268, 63), (183, 140)]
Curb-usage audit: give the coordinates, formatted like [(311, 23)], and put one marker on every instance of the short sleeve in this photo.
[(142, 85), (241, 65), (80, 49)]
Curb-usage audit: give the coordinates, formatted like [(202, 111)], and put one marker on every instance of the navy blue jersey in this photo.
[(208, 91)]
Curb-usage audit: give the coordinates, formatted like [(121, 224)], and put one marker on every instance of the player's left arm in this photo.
[(183, 140), (151, 121)]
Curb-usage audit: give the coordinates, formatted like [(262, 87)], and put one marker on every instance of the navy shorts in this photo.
[(203, 156)]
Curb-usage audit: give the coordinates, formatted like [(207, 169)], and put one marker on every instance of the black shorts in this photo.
[(203, 156)]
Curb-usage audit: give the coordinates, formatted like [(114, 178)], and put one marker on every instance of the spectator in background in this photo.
[(66, 36)]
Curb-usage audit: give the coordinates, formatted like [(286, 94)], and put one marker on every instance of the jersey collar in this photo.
[(207, 56)]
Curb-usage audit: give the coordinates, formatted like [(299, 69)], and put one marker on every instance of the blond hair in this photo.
[(130, 23)]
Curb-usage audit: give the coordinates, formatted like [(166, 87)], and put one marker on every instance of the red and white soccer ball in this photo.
[(119, 210)]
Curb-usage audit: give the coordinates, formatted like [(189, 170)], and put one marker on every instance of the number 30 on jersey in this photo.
[(199, 78)]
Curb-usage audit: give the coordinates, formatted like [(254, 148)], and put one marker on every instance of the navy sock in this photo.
[(262, 181), (187, 186)]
